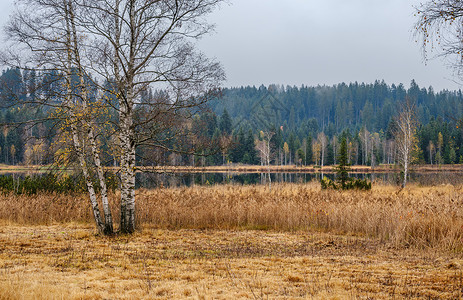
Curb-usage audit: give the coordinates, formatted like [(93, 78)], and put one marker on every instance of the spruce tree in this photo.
[(250, 149), (225, 124), (343, 169)]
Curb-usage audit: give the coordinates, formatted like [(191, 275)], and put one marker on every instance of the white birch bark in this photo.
[(108, 224), (90, 188), (127, 168), (75, 136), (404, 134), (127, 135), (268, 162)]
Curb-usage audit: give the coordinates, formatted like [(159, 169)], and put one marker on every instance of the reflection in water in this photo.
[(154, 180)]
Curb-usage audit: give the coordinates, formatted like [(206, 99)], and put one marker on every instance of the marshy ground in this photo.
[(231, 242)]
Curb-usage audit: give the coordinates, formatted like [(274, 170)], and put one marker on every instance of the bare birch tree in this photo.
[(323, 142), (316, 150), (45, 31), (405, 136), (263, 145), (432, 150), (364, 135), (135, 45)]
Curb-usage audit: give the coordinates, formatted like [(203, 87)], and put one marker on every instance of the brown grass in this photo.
[(232, 242), (419, 217), (70, 262)]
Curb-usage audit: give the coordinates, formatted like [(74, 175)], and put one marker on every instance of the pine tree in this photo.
[(250, 156), (343, 168), (309, 155), (225, 123)]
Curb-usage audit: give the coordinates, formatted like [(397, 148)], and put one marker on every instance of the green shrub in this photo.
[(348, 184), (344, 182)]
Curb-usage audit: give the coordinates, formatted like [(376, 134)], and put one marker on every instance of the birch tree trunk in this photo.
[(126, 135), (90, 188), (75, 121), (268, 162), (127, 172), (405, 135), (87, 118)]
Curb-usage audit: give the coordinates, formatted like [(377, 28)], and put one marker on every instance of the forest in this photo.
[(253, 125), (308, 122)]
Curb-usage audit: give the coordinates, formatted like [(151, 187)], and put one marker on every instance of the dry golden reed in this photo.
[(414, 217)]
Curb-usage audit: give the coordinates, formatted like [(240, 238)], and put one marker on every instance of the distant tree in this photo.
[(235, 145), (452, 153), (334, 143), (13, 152), (225, 123), (300, 156), (309, 153), (329, 156), (440, 145), (250, 153), (343, 168), (316, 149), (374, 142), (292, 146), (263, 146), (286, 151), (323, 142), (432, 150), (364, 136), (405, 136)]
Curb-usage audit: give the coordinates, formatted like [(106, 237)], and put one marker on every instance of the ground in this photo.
[(68, 261)]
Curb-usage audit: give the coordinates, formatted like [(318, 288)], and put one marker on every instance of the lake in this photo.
[(154, 180), (177, 179)]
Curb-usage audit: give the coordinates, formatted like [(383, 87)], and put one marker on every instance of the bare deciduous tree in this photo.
[(136, 46), (263, 145), (316, 150), (46, 33), (323, 141), (405, 136)]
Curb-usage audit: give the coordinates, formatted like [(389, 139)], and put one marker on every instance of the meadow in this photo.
[(232, 241)]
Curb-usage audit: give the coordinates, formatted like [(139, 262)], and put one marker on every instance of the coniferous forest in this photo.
[(252, 125), (308, 123)]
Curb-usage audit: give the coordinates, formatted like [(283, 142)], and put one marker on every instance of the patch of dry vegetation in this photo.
[(419, 217), (69, 262), (227, 242)]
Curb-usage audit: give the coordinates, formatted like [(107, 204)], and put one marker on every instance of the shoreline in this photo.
[(249, 169)]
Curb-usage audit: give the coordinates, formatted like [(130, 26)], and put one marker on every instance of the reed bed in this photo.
[(421, 217)]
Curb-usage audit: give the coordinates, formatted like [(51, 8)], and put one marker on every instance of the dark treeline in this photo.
[(307, 123), (265, 125), (336, 108)]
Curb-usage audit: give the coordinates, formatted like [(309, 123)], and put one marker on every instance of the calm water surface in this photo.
[(153, 180)]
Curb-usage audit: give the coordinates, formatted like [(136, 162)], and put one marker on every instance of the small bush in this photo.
[(327, 183), (349, 184), (344, 182)]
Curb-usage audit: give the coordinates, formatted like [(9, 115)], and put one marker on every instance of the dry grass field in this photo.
[(231, 242)]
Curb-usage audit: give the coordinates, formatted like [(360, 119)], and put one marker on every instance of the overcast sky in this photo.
[(311, 42)]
